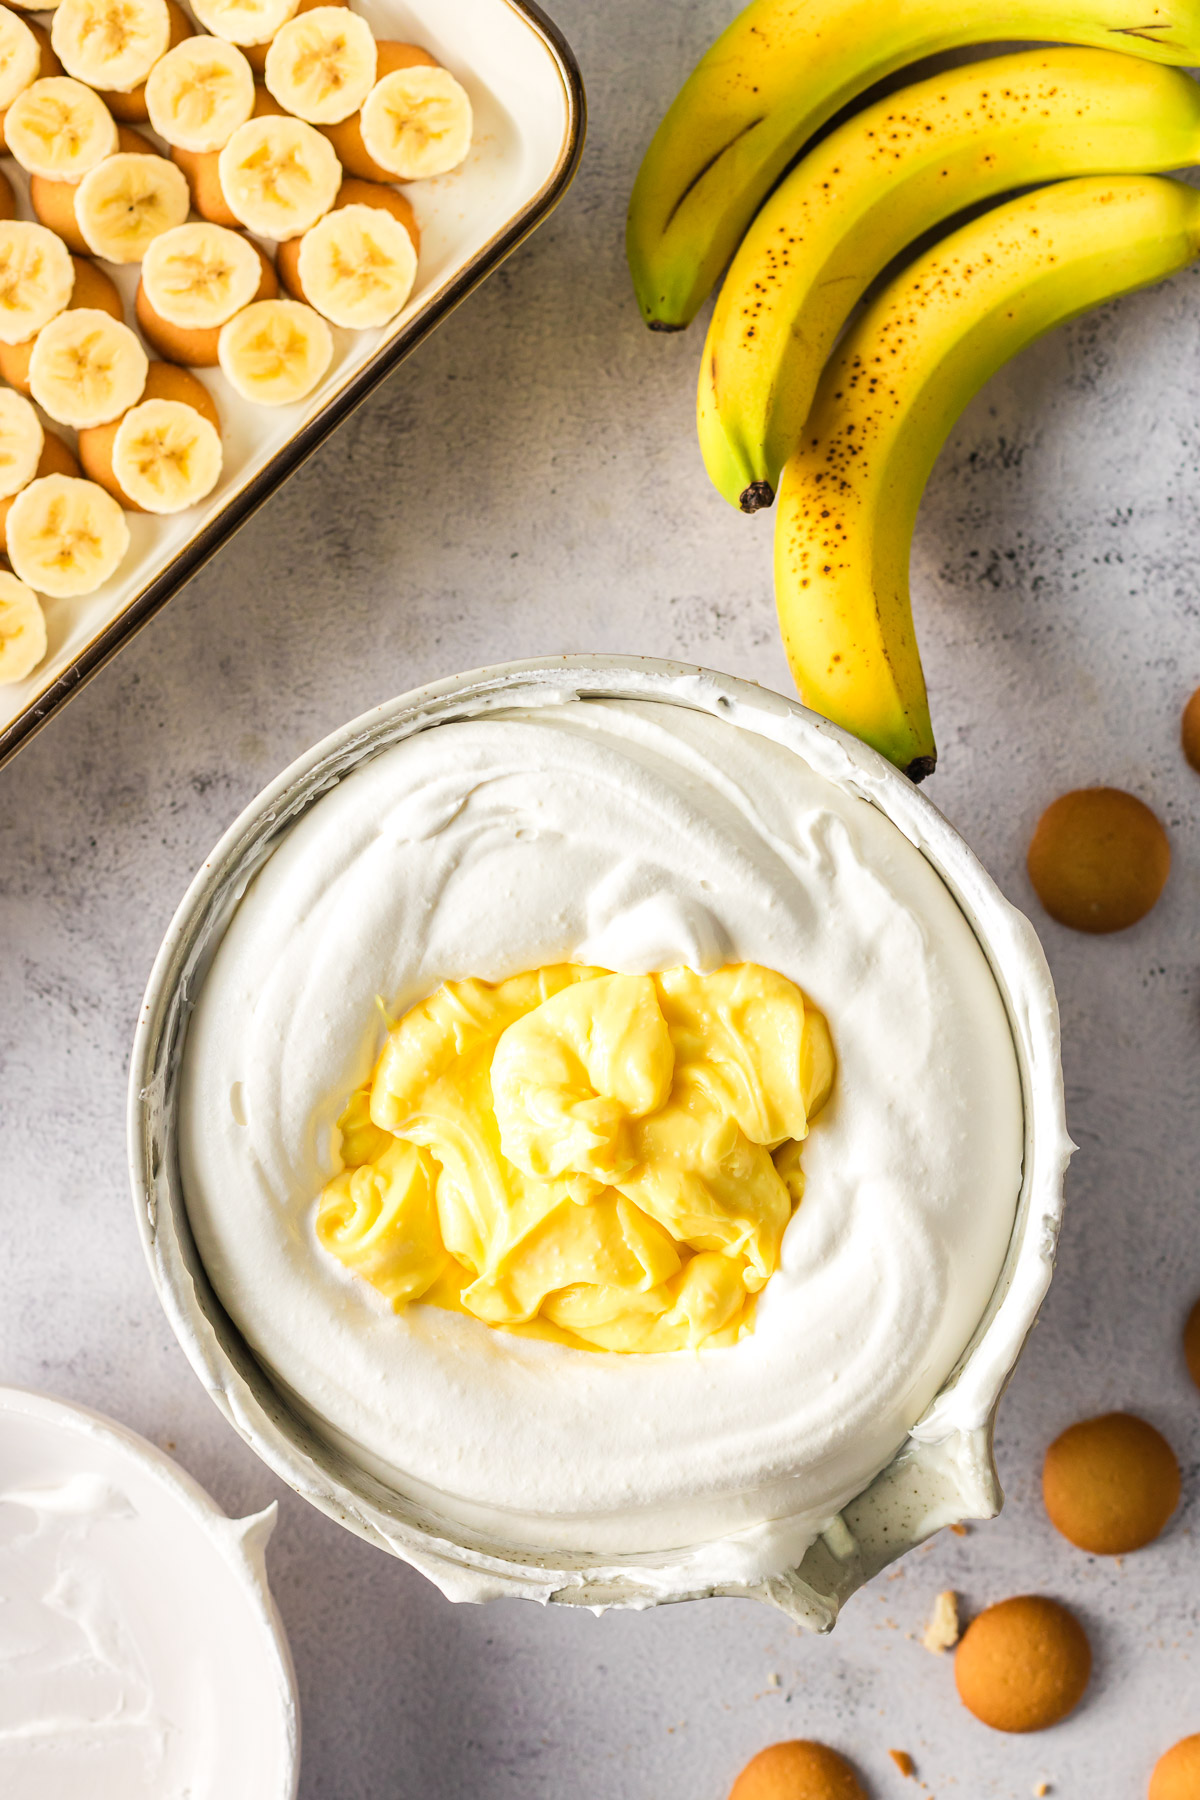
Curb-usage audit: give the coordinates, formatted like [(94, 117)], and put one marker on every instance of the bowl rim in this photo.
[(462, 1565)]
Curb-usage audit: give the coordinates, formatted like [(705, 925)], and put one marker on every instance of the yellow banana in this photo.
[(849, 496), (782, 69), (875, 185)]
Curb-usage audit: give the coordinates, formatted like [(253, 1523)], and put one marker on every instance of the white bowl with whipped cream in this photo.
[(141, 1652), (640, 833)]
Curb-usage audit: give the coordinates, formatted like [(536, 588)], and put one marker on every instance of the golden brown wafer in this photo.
[(1110, 1484), (1191, 1343), (1023, 1664), (1099, 859), (800, 1770), (1190, 731), (1177, 1772)]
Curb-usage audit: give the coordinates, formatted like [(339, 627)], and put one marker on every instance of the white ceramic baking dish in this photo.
[(528, 101), (944, 1472)]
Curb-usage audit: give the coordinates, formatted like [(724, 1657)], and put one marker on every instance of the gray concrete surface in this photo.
[(529, 483)]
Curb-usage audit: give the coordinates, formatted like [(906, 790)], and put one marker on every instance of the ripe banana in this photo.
[(887, 401), (879, 182), (782, 69), (199, 275), (36, 279), (244, 21)]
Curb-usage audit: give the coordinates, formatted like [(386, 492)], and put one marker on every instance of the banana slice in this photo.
[(59, 128), (165, 456), (275, 351), (346, 137), (21, 442), (36, 278), (196, 345), (279, 176), (53, 202), (164, 382), (351, 193), (65, 536), (127, 203), (56, 459), (110, 43), (244, 21), (22, 629), (417, 122), (86, 368), (357, 267), (199, 275), (321, 64), (257, 53), (130, 108), (20, 57), (92, 288), (202, 167), (200, 93)]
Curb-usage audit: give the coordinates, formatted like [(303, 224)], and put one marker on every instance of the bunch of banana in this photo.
[(878, 184), (782, 69), (863, 436)]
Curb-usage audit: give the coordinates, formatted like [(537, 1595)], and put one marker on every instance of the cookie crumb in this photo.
[(774, 1680), (903, 1761), (1041, 1790), (941, 1633), (959, 1530)]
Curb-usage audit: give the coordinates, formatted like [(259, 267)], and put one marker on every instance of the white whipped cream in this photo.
[(138, 1652), (635, 835)]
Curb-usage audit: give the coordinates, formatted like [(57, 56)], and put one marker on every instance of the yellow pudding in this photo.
[(604, 1160)]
